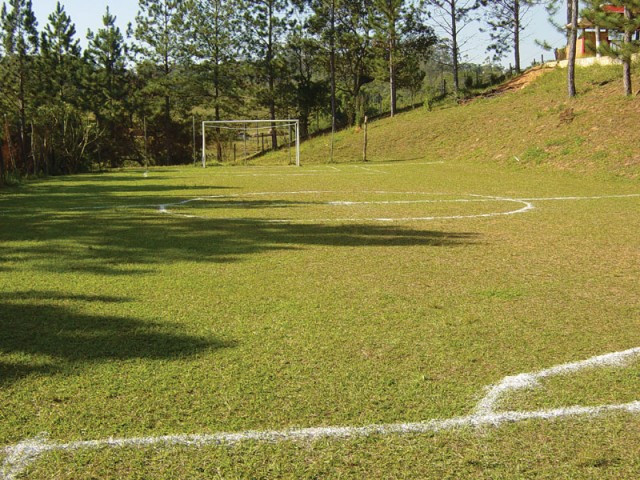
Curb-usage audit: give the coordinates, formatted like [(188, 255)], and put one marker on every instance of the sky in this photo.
[(87, 14)]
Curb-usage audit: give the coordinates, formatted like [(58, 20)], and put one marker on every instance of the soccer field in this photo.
[(380, 320)]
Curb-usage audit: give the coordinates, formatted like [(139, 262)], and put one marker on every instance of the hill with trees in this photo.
[(133, 97)]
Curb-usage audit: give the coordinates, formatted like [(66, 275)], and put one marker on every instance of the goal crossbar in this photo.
[(224, 125)]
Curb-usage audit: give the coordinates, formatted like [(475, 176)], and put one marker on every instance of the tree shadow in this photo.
[(113, 243), (36, 326), (89, 191)]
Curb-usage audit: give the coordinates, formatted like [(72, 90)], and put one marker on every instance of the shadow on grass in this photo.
[(37, 327), (80, 191), (109, 243)]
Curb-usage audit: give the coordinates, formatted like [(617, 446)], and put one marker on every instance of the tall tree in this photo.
[(572, 39), (214, 41), (306, 84), (354, 53), (66, 130), (453, 16), (20, 45), (622, 16), (570, 29), (160, 25), (266, 25), (60, 52), (322, 22), (507, 20), (406, 39), (387, 20), (106, 54)]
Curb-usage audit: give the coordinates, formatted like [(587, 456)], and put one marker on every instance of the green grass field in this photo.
[(238, 299)]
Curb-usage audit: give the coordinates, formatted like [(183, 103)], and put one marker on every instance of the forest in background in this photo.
[(133, 97)]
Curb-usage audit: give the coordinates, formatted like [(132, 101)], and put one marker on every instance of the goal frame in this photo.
[(292, 122)]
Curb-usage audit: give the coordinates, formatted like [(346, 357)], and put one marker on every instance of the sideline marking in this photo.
[(22, 455)]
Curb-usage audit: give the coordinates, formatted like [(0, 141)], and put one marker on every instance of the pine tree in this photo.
[(627, 23), (160, 25), (308, 89), (406, 40), (344, 33), (266, 25), (65, 132), (214, 26), (572, 38), (322, 22), (20, 46), (354, 54), (387, 20), (60, 56), (507, 20), (568, 28), (452, 16), (107, 56)]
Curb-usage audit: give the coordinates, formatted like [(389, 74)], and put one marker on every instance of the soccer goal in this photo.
[(239, 141)]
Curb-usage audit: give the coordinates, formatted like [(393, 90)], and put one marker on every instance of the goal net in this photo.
[(239, 141)]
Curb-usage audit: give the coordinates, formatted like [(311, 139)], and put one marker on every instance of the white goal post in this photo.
[(231, 136)]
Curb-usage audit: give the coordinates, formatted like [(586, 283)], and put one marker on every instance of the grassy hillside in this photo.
[(595, 132)]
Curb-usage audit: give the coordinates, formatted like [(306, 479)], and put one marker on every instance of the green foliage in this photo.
[(63, 134), (625, 24), (325, 62), (213, 39), (405, 42), (307, 91), (60, 59), (265, 26), (109, 83), (159, 30), (451, 16), (18, 74), (507, 20)]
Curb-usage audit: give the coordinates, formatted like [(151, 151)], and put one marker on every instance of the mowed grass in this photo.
[(121, 321)]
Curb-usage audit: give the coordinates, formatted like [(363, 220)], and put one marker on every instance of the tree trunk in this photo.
[(167, 129), (271, 74), (167, 114), (454, 47), (2, 165), (516, 34), (332, 67), (216, 83), (626, 58), (572, 41), (23, 115), (392, 79)]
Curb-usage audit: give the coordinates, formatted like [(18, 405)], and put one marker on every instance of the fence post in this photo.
[(364, 148)]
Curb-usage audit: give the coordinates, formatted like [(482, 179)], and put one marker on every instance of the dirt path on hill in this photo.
[(516, 83)]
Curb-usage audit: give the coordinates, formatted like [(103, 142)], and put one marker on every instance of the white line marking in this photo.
[(20, 456), (531, 380), (377, 172), (476, 198), (600, 197), (159, 207)]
